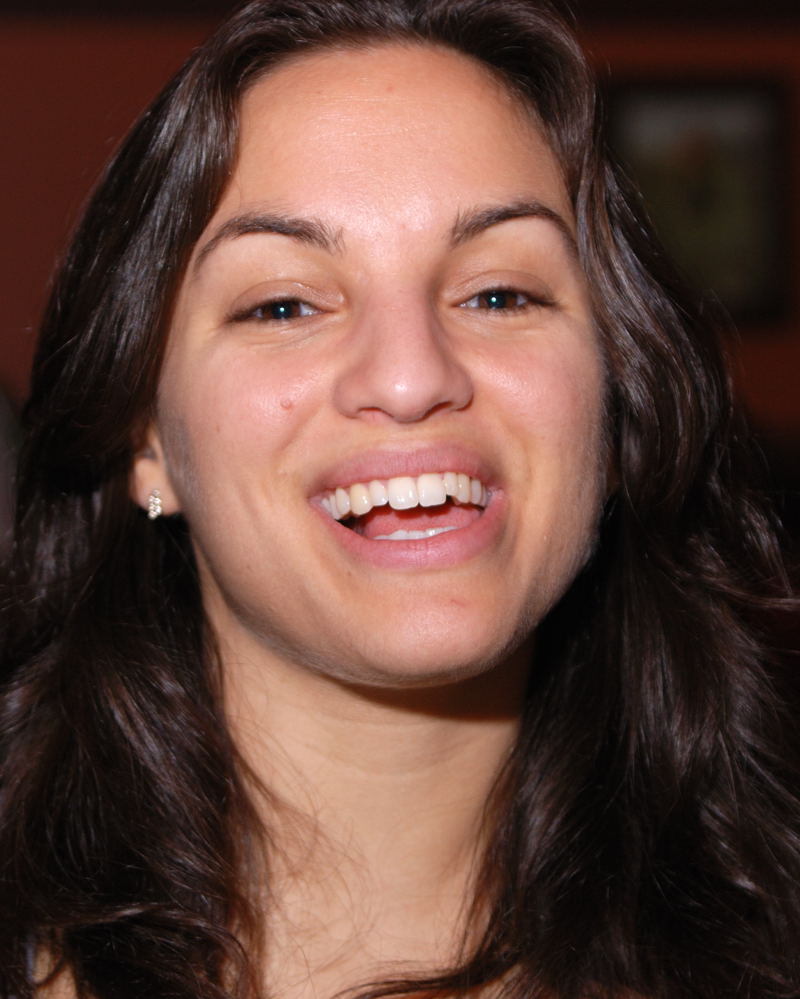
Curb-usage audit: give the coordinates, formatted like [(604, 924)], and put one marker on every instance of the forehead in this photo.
[(386, 73), (392, 128)]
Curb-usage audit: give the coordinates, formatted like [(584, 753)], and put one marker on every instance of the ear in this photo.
[(150, 472)]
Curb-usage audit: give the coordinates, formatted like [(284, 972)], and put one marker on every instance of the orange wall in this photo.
[(71, 88)]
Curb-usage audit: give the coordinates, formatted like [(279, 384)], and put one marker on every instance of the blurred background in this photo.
[(703, 106)]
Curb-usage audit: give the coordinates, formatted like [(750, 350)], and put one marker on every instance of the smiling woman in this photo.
[(387, 608), (436, 324)]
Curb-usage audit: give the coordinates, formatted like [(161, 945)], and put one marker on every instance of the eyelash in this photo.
[(265, 311), (259, 312), (501, 293)]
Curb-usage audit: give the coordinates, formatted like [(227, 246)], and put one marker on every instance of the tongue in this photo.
[(384, 520)]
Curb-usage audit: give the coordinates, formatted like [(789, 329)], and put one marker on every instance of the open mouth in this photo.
[(408, 508)]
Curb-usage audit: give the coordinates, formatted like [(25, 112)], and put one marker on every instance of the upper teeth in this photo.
[(404, 493)]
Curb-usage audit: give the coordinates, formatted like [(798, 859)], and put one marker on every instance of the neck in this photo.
[(376, 812)]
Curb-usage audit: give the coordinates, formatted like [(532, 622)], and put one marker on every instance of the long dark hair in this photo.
[(647, 825)]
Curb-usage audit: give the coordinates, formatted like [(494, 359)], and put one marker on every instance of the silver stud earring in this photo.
[(154, 505)]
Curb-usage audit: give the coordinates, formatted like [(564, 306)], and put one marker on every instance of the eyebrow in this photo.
[(314, 232), (305, 230), (470, 224)]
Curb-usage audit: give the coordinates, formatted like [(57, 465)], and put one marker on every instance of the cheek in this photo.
[(229, 418), (561, 403), (558, 395)]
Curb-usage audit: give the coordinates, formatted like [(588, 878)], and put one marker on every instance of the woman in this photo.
[(361, 375)]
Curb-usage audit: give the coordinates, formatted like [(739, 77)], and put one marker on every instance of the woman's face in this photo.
[(387, 299)]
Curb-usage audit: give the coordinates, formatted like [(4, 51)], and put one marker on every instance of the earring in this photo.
[(154, 505)]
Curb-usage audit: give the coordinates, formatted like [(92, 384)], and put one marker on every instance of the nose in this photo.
[(401, 368)]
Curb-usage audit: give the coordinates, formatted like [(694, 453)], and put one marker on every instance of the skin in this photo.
[(380, 701)]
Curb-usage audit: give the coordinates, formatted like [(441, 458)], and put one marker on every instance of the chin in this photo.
[(431, 658)]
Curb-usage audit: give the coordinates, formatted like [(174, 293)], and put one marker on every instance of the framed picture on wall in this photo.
[(712, 161)]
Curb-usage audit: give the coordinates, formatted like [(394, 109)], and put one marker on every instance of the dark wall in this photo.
[(70, 90)]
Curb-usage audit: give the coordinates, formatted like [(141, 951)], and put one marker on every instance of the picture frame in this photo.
[(711, 158)]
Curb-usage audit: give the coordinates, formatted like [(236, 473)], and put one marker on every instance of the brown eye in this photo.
[(281, 310), (499, 300)]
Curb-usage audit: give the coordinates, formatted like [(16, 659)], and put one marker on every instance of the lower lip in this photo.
[(440, 551)]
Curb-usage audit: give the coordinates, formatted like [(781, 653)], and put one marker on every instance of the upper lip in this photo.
[(394, 460)]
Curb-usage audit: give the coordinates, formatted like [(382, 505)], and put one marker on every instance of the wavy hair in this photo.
[(647, 827)]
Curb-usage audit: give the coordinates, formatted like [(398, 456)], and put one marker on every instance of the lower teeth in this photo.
[(413, 535)]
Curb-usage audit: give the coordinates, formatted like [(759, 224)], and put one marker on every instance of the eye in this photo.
[(277, 311), (502, 300)]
